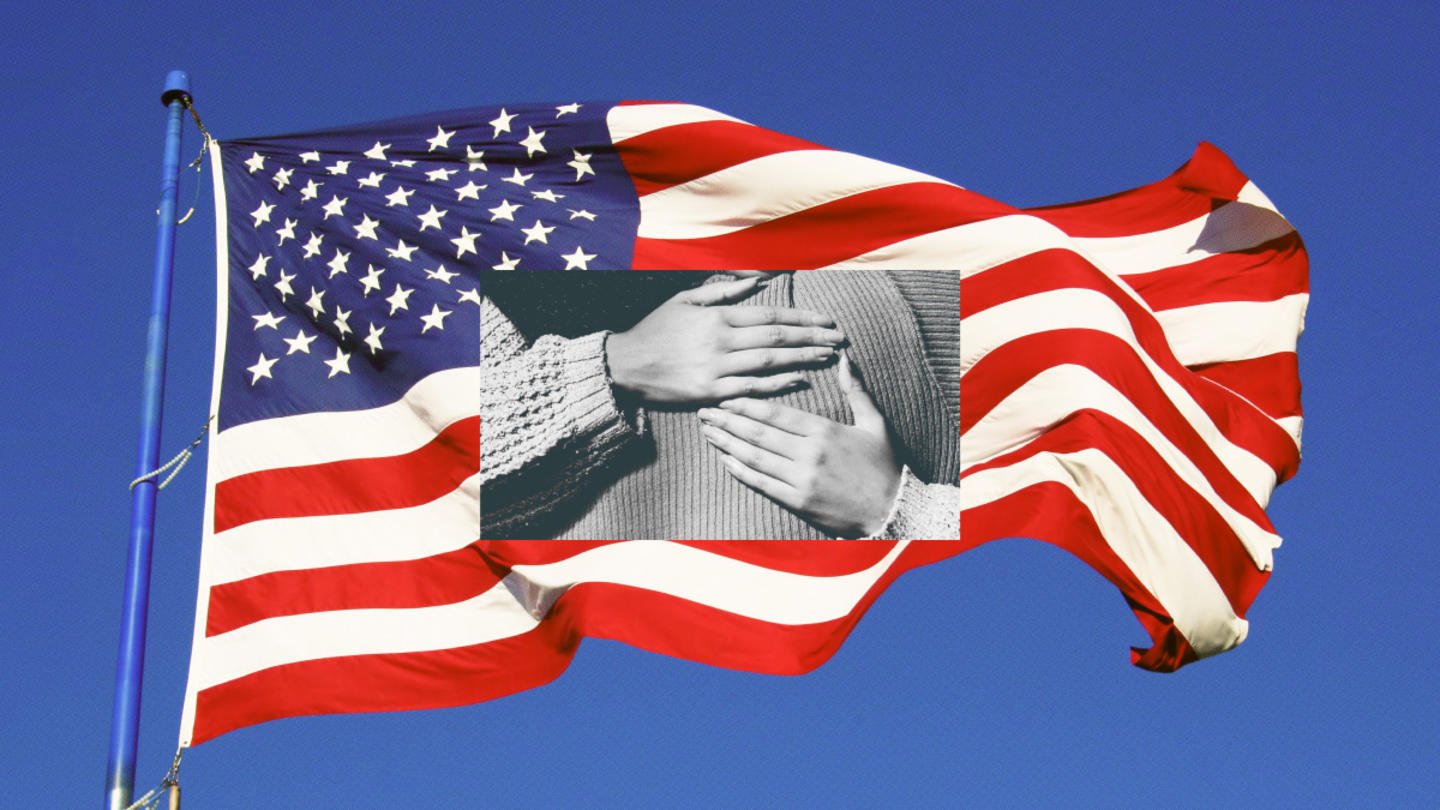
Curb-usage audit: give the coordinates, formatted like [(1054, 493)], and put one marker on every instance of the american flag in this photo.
[(1129, 393)]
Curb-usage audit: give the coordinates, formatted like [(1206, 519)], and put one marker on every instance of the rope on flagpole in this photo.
[(178, 462), (170, 784), (197, 163)]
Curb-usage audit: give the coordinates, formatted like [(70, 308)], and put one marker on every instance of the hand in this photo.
[(842, 478), (691, 349)]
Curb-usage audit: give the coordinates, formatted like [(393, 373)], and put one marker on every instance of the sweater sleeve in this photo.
[(548, 417), (922, 511)]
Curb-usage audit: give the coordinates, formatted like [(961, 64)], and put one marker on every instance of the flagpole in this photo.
[(130, 668)]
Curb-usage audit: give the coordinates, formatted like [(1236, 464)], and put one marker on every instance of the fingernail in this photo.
[(824, 353), (708, 414), (711, 434), (833, 335), (728, 404)]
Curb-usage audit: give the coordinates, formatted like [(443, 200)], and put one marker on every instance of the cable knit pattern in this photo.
[(548, 419)]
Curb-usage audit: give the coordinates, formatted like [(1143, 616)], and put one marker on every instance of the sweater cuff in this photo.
[(921, 511), (589, 405)]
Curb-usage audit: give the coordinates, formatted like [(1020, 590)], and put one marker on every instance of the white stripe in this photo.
[(445, 524), (1294, 425), (1234, 330), (431, 405), (759, 190), (629, 120), (517, 604), (970, 248), (1140, 536), (1229, 228), (1050, 396), (1251, 194), (995, 326)]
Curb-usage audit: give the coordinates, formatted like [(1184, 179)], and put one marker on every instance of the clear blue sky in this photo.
[(997, 678)]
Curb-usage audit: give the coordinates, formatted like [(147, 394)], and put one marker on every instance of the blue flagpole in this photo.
[(130, 669)]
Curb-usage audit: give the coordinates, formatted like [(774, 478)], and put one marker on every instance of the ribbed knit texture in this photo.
[(904, 333)]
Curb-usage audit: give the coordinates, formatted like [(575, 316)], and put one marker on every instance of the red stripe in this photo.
[(1194, 519), (1267, 272), (353, 485), (424, 680), (1271, 383), (1051, 513), (1114, 361), (677, 154), (439, 580), (825, 234), (1050, 270), (1191, 192), (385, 682)]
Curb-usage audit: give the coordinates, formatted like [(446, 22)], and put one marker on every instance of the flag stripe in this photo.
[(762, 189), (1264, 381), (432, 404), (437, 580), (1266, 272), (808, 238), (355, 485), (667, 157), (443, 525)]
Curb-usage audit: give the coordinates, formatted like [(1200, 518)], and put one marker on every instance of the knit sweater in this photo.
[(562, 458)]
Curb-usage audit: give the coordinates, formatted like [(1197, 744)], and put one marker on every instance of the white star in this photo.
[(268, 319), (371, 180), (431, 218), (309, 157), (262, 214), (581, 214), (312, 247), (283, 285), (315, 304), (399, 299), (547, 195), (469, 190), (470, 295), (465, 243), (337, 263), (581, 164), (505, 210), (366, 228), (377, 152), (537, 233), (282, 178), (435, 320), (342, 321), (517, 178), (506, 263), (340, 364), (476, 159), (373, 339), (577, 260), (439, 175), (336, 206), (532, 142), (501, 123), (404, 164), (565, 109), (310, 191), (300, 343), (286, 231), (400, 196), (255, 163), (338, 167), (257, 270), (401, 250), (261, 368), (371, 280), (441, 139), (441, 274)]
